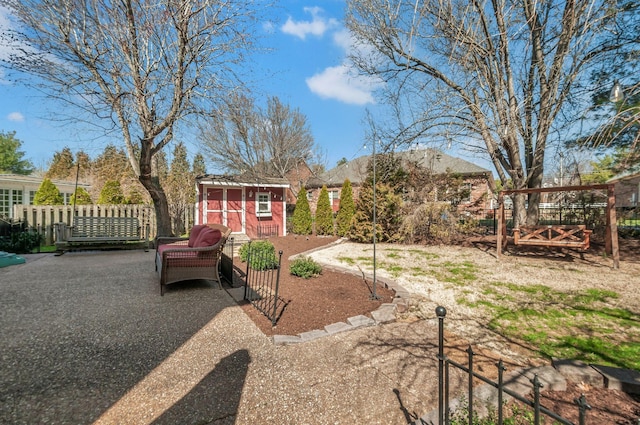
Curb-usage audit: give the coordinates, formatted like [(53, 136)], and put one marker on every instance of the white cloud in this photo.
[(268, 27), (15, 117), (317, 26), (338, 83), (343, 39)]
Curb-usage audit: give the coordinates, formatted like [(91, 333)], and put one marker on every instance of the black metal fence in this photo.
[(226, 261), (267, 230), (445, 364), (592, 216), (263, 281)]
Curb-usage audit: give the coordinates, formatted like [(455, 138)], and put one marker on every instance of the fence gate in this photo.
[(263, 279), (226, 261)]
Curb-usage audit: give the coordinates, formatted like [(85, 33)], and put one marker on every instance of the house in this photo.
[(627, 188), (252, 206), (297, 177), (16, 189), (477, 181)]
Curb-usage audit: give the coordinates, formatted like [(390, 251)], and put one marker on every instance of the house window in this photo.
[(9, 198), (309, 195), (32, 196), (334, 195), (263, 204), (5, 205)]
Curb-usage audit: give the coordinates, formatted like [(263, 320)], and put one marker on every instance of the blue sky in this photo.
[(306, 70)]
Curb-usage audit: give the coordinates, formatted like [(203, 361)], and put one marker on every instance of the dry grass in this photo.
[(538, 306)]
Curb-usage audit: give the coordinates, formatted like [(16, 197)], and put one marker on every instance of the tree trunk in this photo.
[(152, 184), (519, 210), (160, 204)]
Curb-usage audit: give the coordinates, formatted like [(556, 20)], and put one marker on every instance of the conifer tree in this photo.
[(135, 197), (62, 166), (111, 193), (346, 210), (324, 214), (48, 194), (112, 164), (179, 188), (11, 157), (81, 197), (387, 214), (199, 167), (302, 223)]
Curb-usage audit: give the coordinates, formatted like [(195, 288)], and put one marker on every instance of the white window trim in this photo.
[(263, 213)]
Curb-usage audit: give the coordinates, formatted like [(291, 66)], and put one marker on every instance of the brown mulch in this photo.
[(333, 297), (607, 406), (311, 304)]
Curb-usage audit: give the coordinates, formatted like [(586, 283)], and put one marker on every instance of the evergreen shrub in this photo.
[(324, 214), (260, 254), (305, 267), (302, 222), (346, 210)]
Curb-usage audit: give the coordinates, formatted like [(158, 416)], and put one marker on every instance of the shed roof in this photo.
[(241, 180)]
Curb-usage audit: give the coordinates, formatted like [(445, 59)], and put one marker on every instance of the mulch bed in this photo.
[(333, 297), (311, 304)]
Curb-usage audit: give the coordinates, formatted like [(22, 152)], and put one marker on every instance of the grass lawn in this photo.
[(562, 319)]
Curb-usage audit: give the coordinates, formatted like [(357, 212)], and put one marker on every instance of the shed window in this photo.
[(263, 204)]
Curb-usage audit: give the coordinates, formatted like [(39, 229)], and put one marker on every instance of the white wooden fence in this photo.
[(46, 217)]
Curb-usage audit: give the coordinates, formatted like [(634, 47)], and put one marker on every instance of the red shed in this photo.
[(255, 207)]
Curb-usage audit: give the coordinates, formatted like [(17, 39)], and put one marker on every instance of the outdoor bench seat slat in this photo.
[(109, 231), (564, 236)]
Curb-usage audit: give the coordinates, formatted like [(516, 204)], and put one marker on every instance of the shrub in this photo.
[(21, 243), (324, 214), (388, 218), (81, 197), (305, 267), (263, 255), (434, 223), (346, 210), (48, 194), (111, 193), (302, 223)]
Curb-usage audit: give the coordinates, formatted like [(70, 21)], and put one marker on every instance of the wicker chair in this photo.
[(177, 261)]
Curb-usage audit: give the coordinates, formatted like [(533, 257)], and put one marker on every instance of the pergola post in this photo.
[(611, 232), (499, 236)]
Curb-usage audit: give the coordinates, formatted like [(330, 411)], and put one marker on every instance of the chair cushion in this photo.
[(195, 232), (174, 245), (207, 237)]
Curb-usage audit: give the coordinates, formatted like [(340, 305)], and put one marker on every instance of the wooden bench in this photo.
[(100, 232), (564, 236)]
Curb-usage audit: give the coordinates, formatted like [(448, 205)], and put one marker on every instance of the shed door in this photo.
[(215, 203), (225, 205), (234, 210)]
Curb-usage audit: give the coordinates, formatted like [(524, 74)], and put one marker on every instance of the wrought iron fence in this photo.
[(267, 230), (445, 364), (593, 217), (263, 281), (226, 262)]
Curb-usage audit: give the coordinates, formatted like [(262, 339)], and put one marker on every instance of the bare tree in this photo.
[(141, 65), (499, 75), (242, 138)]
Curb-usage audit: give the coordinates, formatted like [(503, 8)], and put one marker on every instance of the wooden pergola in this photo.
[(611, 231)]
